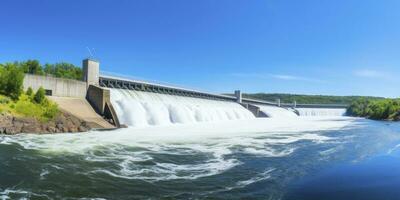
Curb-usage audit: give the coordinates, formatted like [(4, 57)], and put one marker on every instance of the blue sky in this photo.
[(341, 47)]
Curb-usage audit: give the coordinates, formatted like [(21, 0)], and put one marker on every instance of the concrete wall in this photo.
[(99, 98), (59, 87), (254, 109)]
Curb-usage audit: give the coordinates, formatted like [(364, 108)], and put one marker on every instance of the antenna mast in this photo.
[(90, 52)]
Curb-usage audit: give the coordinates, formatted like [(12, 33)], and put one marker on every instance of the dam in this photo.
[(129, 102)]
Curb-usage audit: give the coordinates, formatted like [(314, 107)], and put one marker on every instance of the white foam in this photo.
[(5, 194), (321, 111), (44, 173), (169, 171), (213, 142), (140, 109), (274, 111), (241, 184), (269, 152), (394, 149), (288, 130), (259, 177), (10, 193)]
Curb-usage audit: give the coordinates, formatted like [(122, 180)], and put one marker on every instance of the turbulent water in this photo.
[(242, 159), (321, 111), (219, 155), (136, 108), (274, 111)]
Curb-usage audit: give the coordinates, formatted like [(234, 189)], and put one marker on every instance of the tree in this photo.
[(32, 67), (29, 91), (49, 69), (11, 81), (64, 70), (380, 109), (40, 95)]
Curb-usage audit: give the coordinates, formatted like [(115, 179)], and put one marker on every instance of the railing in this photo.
[(122, 83)]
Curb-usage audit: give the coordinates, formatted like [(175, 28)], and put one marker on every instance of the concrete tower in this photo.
[(91, 71), (238, 95)]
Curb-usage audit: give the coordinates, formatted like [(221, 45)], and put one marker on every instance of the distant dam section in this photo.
[(141, 103)]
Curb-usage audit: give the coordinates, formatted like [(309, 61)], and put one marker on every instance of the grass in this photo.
[(25, 107)]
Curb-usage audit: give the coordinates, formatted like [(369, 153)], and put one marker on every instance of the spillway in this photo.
[(274, 111), (321, 111), (139, 109)]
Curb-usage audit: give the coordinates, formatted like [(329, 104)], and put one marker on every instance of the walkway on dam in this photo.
[(80, 108)]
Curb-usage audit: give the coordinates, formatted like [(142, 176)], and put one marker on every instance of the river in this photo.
[(293, 158)]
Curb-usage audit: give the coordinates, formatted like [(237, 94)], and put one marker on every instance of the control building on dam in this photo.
[(89, 99)]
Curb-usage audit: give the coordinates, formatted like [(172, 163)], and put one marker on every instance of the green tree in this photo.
[(67, 70), (32, 67), (40, 95), (381, 109), (49, 69), (11, 81)]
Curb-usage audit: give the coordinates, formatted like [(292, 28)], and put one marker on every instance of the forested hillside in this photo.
[(308, 99)]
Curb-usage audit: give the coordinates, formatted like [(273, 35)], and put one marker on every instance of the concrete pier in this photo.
[(100, 100), (91, 71), (238, 95)]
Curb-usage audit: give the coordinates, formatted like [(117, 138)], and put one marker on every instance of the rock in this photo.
[(82, 129), (51, 129), (63, 123), (64, 130), (32, 128), (12, 130), (59, 126), (72, 129)]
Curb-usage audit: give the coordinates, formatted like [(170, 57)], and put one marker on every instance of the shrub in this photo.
[(25, 107), (4, 100), (50, 110), (40, 96), (45, 111), (29, 91)]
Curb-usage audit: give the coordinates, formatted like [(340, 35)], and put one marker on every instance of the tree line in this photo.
[(382, 109), (60, 70), (307, 99)]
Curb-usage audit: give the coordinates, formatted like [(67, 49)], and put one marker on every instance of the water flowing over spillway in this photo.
[(138, 109), (321, 111), (274, 111)]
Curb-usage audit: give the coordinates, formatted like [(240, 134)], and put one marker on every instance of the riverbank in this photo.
[(62, 123)]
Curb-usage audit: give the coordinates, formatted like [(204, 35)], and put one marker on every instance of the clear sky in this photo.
[(339, 47)]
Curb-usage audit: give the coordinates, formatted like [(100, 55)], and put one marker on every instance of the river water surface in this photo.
[(294, 158)]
